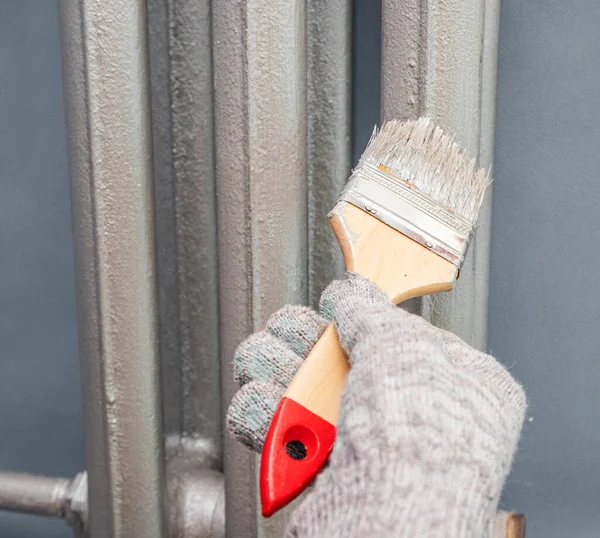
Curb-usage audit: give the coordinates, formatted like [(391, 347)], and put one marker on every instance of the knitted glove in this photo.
[(427, 430)]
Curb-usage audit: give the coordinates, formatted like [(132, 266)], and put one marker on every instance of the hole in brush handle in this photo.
[(282, 475)]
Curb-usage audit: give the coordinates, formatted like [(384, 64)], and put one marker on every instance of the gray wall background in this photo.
[(544, 307), (544, 304), (40, 402)]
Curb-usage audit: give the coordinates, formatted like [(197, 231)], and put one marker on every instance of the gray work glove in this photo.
[(428, 425)]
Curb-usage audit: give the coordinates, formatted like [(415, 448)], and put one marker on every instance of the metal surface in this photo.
[(404, 47), (108, 115), (455, 31), (482, 238), (410, 212), (182, 123), (41, 495), (196, 494), (261, 156), (46, 496), (329, 57), (76, 508), (268, 174), (438, 59), (235, 260)]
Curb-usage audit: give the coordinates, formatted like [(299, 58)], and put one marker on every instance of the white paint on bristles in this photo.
[(421, 154)]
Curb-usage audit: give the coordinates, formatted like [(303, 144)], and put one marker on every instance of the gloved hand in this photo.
[(428, 426)]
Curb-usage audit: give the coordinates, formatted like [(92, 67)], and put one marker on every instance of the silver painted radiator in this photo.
[(207, 141)]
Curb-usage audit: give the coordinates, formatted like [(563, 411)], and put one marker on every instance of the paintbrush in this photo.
[(404, 221)]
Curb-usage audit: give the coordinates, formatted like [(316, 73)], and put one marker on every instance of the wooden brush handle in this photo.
[(509, 525), (516, 526), (402, 267), (308, 412), (319, 382)]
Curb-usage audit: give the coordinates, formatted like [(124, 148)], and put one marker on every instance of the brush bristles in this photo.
[(421, 154)]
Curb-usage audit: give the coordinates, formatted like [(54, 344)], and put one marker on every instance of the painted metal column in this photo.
[(482, 239), (261, 156), (182, 123), (282, 113), (329, 139), (234, 236), (439, 59), (106, 80)]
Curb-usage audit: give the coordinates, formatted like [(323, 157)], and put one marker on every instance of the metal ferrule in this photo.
[(406, 209)]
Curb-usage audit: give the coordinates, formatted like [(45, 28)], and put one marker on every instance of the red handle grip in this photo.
[(297, 446)]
